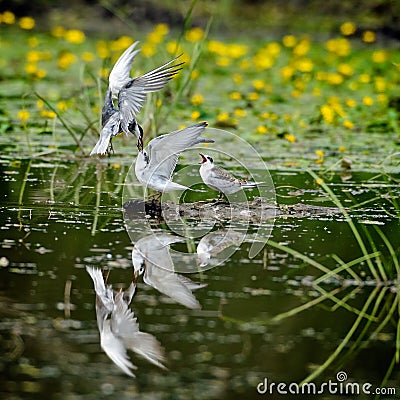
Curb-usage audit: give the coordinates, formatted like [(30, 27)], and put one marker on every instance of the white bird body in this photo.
[(220, 180), (151, 257), (155, 165), (131, 94), (118, 326)]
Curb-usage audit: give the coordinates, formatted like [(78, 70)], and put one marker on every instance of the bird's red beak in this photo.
[(203, 159)]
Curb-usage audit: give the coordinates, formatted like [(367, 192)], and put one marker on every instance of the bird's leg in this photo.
[(107, 275), (111, 148)]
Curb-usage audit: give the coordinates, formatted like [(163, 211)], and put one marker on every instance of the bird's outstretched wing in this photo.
[(115, 349), (164, 150), (120, 74), (132, 95)]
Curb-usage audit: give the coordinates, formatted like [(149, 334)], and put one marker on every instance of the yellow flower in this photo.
[(223, 61), (287, 72), (302, 48), (235, 96), (253, 96), (289, 41), (369, 37), (239, 112), (368, 101), (24, 115), (382, 98), (380, 84), (33, 56), (379, 56), (364, 78), (351, 103), (296, 93), (223, 116), (262, 129), (195, 115), (58, 32), (148, 49), (339, 46), (74, 36), (194, 35), (66, 59), (48, 114), (258, 84), (40, 104), (31, 68), (237, 78), (319, 161), (348, 28), (236, 50), (27, 23), (87, 56), (121, 43), (327, 113), (345, 69), (304, 65), (334, 79), (41, 73), (194, 74), (103, 72), (102, 49), (319, 181), (159, 103), (8, 17), (265, 115), (161, 29), (197, 99), (348, 124), (290, 137), (33, 41), (319, 153), (173, 47), (342, 149), (245, 64), (62, 105)]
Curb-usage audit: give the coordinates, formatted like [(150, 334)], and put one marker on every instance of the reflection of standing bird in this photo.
[(151, 257), (118, 326), (216, 242), (218, 179), (131, 94), (155, 165)]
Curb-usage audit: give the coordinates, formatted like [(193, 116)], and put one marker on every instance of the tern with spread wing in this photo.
[(155, 165), (152, 259), (118, 326), (220, 180), (131, 95)]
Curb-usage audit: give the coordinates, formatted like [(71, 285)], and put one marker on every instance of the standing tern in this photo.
[(131, 95), (118, 326), (220, 180), (151, 258), (155, 165)]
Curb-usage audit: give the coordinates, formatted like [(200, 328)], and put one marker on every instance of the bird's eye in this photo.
[(210, 159)]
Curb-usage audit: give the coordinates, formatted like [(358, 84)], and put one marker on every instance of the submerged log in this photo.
[(256, 210)]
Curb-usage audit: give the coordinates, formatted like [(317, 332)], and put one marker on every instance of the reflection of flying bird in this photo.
[(155, 165), (218, 179), (214, 243), (151, 257), (131, 94), (118, 326)]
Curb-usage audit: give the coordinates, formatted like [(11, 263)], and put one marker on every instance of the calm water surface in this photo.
[(57, 218)]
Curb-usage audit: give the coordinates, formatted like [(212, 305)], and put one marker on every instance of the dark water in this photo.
[(57, 218)]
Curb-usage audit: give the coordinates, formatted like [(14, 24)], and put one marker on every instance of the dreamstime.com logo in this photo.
[(333, 387), (213, 231)]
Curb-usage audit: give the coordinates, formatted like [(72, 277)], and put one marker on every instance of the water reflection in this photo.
[(151, 258), (119, 328)]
